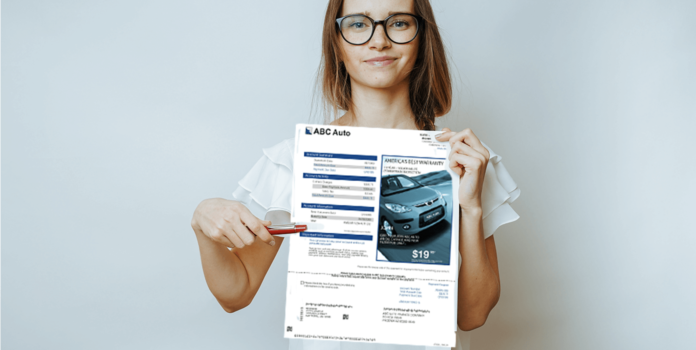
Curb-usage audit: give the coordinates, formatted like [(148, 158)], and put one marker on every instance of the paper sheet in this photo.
[(383, 268)]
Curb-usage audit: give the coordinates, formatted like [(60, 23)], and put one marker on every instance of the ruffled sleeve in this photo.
[(268, 185), (499, 190)]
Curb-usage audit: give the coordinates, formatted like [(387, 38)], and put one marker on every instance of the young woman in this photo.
[(385, 65)]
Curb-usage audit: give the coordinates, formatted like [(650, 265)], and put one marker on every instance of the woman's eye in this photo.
[(357, 25)]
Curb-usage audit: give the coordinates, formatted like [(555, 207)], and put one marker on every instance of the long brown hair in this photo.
[(430, 87)]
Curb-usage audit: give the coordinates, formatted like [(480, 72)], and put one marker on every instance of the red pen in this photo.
[(285, 228)]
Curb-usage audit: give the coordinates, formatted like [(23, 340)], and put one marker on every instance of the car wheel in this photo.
[(387, 228)]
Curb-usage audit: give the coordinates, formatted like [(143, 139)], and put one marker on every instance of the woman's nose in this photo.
[(379, 38)]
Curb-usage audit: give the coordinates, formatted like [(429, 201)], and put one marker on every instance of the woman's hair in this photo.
[(430, 88)]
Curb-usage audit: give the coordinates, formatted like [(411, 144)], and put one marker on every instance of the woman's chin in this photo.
[(378, 83)]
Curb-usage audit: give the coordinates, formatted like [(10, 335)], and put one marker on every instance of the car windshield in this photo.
[(396, 184)]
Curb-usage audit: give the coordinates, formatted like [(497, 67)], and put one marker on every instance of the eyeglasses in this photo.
[(401, 28)]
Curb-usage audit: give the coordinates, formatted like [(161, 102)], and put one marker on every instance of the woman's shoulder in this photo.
[(281, 152), (267, 185)]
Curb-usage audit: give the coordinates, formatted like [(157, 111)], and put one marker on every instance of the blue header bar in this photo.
[(339, 177), (335, 236), (336, 207), (339, 156)]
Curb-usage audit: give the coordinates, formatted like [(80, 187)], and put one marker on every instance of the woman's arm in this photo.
[(479, 281), (233, 276)]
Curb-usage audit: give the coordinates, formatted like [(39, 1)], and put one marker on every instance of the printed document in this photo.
[(383, 266)]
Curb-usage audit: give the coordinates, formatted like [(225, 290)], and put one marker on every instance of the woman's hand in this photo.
[(468, 159), (230, 223), (234, 277)]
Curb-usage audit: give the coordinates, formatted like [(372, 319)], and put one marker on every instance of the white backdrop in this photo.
[(119, 117)]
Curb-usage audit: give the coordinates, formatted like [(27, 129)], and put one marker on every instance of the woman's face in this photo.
[(400, 57)]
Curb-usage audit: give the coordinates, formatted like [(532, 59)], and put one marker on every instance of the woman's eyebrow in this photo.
[(367, 13)]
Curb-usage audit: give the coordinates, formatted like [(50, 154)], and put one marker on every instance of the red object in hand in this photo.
[(289, 228)]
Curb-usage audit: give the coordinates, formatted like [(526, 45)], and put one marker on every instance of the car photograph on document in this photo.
[(407, 207), (415, 216)]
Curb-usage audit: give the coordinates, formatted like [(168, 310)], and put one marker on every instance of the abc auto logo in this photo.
[(326, 131)]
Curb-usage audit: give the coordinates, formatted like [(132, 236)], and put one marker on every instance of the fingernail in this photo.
[(438, 135), (272, 243)]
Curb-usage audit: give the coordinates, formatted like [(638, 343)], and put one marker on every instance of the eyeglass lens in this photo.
[(399, 28)]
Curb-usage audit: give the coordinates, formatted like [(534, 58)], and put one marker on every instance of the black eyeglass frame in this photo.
[(419, 19)]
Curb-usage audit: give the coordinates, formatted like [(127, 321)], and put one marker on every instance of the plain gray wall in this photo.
[(119, 117)]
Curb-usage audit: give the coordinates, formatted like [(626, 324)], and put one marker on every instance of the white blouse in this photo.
[(267, 187)]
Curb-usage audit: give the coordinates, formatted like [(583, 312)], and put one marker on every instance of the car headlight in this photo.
[(441, 199), (397, 208)]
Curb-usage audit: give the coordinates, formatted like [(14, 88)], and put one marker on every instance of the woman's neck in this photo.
[(380, 108)]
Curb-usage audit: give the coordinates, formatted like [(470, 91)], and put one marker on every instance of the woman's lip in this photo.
[(383, 58), (381, 63)]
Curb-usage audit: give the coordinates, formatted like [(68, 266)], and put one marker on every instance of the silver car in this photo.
[(407, 207)]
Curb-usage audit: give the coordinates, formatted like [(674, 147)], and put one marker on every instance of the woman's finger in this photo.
[(228, 243), (224, 235), (464, 163), (467, 136), (465, 149), (258, 227), (455, 165), (232, 238), (243, 233), (444, 135)]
